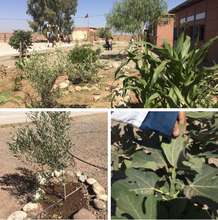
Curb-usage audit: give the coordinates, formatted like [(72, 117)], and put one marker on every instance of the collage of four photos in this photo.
[(108, 109)]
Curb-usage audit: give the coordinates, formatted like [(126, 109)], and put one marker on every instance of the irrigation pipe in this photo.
[(83, 161)]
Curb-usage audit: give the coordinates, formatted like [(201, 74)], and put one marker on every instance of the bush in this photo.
[(46, 141), (81, 54), (84, 62), (21, 41), (170, 77), (42, 71), (104, 33)]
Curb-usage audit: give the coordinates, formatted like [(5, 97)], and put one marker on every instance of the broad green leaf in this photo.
[(131, 204), (205, 184), (151, 207), (195, 163), (154, 160), (137, 181), (175, 148)]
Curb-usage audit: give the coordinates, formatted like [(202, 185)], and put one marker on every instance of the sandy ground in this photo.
[(89, 135)]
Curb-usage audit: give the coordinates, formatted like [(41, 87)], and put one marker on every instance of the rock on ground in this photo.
[(91, 181), (64, 85), (102, 197), (18, 215), (84, 214), (32, 207), (98, 188), (98, 204)]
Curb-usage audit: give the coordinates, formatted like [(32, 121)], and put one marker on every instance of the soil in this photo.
[(89, 136), (63, 208), (79, 99)]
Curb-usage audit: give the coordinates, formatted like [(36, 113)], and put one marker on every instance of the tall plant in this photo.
[(170, 76), (169, 180), (21, 41), (45, 141)]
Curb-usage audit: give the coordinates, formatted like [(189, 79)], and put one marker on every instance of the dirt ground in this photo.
[(89, 135), (98, 95)]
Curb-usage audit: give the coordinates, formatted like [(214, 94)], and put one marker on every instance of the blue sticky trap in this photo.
[(161, 122)]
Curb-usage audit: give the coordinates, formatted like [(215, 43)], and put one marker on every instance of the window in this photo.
[(200, 32), (190, 31), (190, 18), (201, 16), (175, 34)]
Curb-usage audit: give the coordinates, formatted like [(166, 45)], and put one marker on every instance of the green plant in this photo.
[(21, 41), (45, 142), (42, 71), (170, 76), (84, 64), (80, 54), (104, 33), (168, 180)]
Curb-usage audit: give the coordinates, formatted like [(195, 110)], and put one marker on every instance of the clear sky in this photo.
[(13, 13)]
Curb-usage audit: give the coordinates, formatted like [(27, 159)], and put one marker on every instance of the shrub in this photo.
[(80, 54), (104, 33), (45, 142), (42, 71), (170, 77), (168, 180), (21, 41), (84, 62)]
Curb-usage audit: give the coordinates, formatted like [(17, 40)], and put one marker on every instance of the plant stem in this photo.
[(173, 183)]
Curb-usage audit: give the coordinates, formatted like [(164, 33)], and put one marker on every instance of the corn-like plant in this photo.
[(170, 76), (168, 180)]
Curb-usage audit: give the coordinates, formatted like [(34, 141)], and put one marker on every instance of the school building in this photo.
[(199, 20)]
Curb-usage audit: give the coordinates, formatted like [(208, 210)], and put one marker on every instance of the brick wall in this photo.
[(164, 32), (210, 7)]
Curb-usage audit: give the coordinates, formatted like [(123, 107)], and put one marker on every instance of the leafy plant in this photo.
[(84, 62), (21, 41), (168, 180), (104, 33), (42, 71), (170, 76), (45, 142)]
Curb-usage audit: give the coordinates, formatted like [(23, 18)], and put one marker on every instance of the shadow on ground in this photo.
[(21, 184)]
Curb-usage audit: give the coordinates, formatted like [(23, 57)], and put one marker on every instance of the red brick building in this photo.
[(198, 19)]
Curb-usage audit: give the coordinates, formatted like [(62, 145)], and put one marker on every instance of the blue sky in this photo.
[(16, 11)]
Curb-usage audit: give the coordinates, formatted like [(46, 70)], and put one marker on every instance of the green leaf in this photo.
[(154, 160), (131, 204), (175, 148), (158, 71), (205, 184), (195, 163), (151, 207), (137, 181)]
